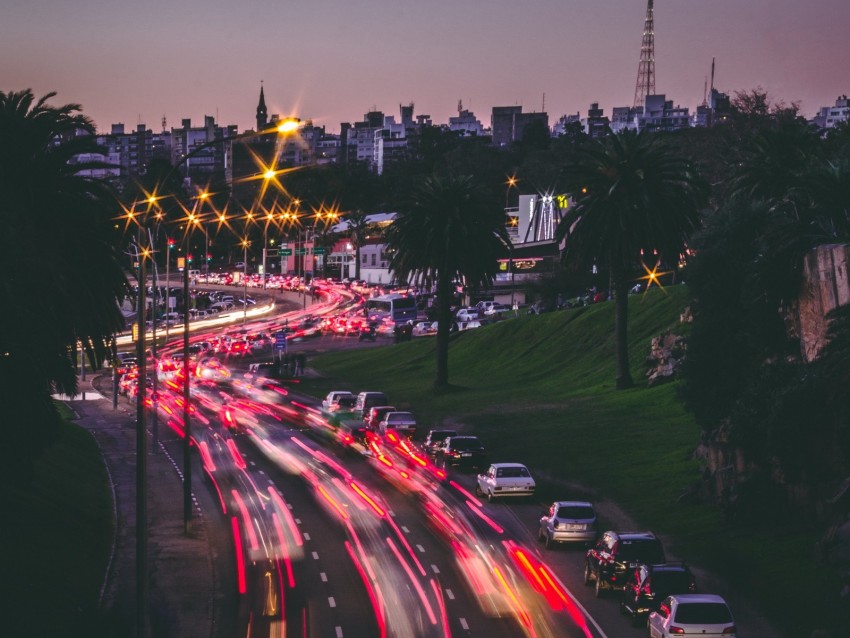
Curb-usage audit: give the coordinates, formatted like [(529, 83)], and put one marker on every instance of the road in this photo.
[(338, 538)]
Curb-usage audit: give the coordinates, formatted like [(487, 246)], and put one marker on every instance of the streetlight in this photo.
[(245, 244)]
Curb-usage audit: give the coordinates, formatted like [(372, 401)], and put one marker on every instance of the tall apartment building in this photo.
[(507, 123), (201, 151), (131, 152)]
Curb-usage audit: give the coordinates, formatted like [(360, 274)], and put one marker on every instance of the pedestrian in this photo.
[(300, 360)]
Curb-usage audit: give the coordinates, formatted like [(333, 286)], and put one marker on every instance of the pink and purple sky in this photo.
[(334, 60)]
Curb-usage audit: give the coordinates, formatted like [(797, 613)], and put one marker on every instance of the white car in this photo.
[(332, 400), (505, 479), (703, 615), (466, 314)]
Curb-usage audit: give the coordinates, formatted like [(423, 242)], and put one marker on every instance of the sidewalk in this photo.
[(184, 587)]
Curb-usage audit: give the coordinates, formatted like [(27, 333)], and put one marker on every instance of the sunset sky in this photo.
[(333, 60)]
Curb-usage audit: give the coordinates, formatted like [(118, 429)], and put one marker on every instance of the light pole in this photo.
[(245, 243)]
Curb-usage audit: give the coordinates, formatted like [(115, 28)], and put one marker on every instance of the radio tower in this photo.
[(645, 84)]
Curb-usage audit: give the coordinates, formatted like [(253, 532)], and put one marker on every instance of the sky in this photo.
[(332, 61)]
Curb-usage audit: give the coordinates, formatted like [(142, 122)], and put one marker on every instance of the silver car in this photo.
[(703, 615), (568, 522)]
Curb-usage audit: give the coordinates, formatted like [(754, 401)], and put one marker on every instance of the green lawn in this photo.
[(59, 534), (540, 389)]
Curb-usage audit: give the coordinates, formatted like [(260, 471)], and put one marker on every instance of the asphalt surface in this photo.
[(191, 590)]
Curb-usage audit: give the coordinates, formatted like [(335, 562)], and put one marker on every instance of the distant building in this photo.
[(829, 116), (596, 125), (466, 123), (200, 151), (507, 124), (130, 153)]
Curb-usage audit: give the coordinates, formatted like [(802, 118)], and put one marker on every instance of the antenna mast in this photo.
[(645, 84)]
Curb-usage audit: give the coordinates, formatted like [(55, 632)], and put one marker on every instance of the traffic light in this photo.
[(170, 243), (209, 258), (189, 258)]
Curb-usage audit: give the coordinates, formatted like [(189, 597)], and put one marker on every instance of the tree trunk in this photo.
[(621, 337), (444, 324), (357, 261)]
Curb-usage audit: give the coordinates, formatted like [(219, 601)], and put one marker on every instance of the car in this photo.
[(609, 563), (435, 438), (649, 584), (333, 397), (496, 309), (568, 522), (366, 400), (375, 415), (466, 314), (505, 479), (212, 369), (404, 423), (462, 451), (703, 615)]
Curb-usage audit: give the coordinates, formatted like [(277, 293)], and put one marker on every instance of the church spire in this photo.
[(262, 113)]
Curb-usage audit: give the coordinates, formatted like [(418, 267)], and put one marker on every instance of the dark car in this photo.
[(648, 585), (462, 451), (616, 555), (375, 415), (435, 439)]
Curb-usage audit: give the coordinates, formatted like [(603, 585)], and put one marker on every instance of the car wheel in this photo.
[(478, 491), (598, 589), (587, 574), (490, 497), (547, 542)]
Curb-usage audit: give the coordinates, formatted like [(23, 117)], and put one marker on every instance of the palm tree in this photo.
[(633, 194), (447, 229), (62, 280)]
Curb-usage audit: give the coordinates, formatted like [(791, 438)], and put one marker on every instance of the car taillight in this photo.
[(676, 630), (728, 630), (646, 590)]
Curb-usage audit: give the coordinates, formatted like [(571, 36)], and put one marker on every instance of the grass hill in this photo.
[(540, 390)]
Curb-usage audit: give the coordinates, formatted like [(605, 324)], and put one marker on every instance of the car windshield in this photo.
[(511, 472), (576, 512), (643, 550), (672, 582), (703, 614)]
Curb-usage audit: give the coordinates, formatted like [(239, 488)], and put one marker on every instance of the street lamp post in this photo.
[(244, 281)]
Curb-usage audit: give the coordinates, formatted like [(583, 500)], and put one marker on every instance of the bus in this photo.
[(398, 308)]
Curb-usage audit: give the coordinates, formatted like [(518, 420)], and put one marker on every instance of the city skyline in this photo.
[(331, 61)]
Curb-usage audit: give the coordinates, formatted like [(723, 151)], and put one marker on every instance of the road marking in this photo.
[(435, 569), (261, 472), (315, 555), (306, 536), (323, 576), (450, 594), (421, 549), (391, 513), (463, 624), (338, 632), (331, 601), (252, 463), (298, 520), (405, 530)]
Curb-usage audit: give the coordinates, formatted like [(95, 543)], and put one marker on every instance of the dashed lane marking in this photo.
[(323, 576), (306, 536), (331, 601), (435, 569), (421, 549), (315, 555), (464, 624), (450, 594)]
